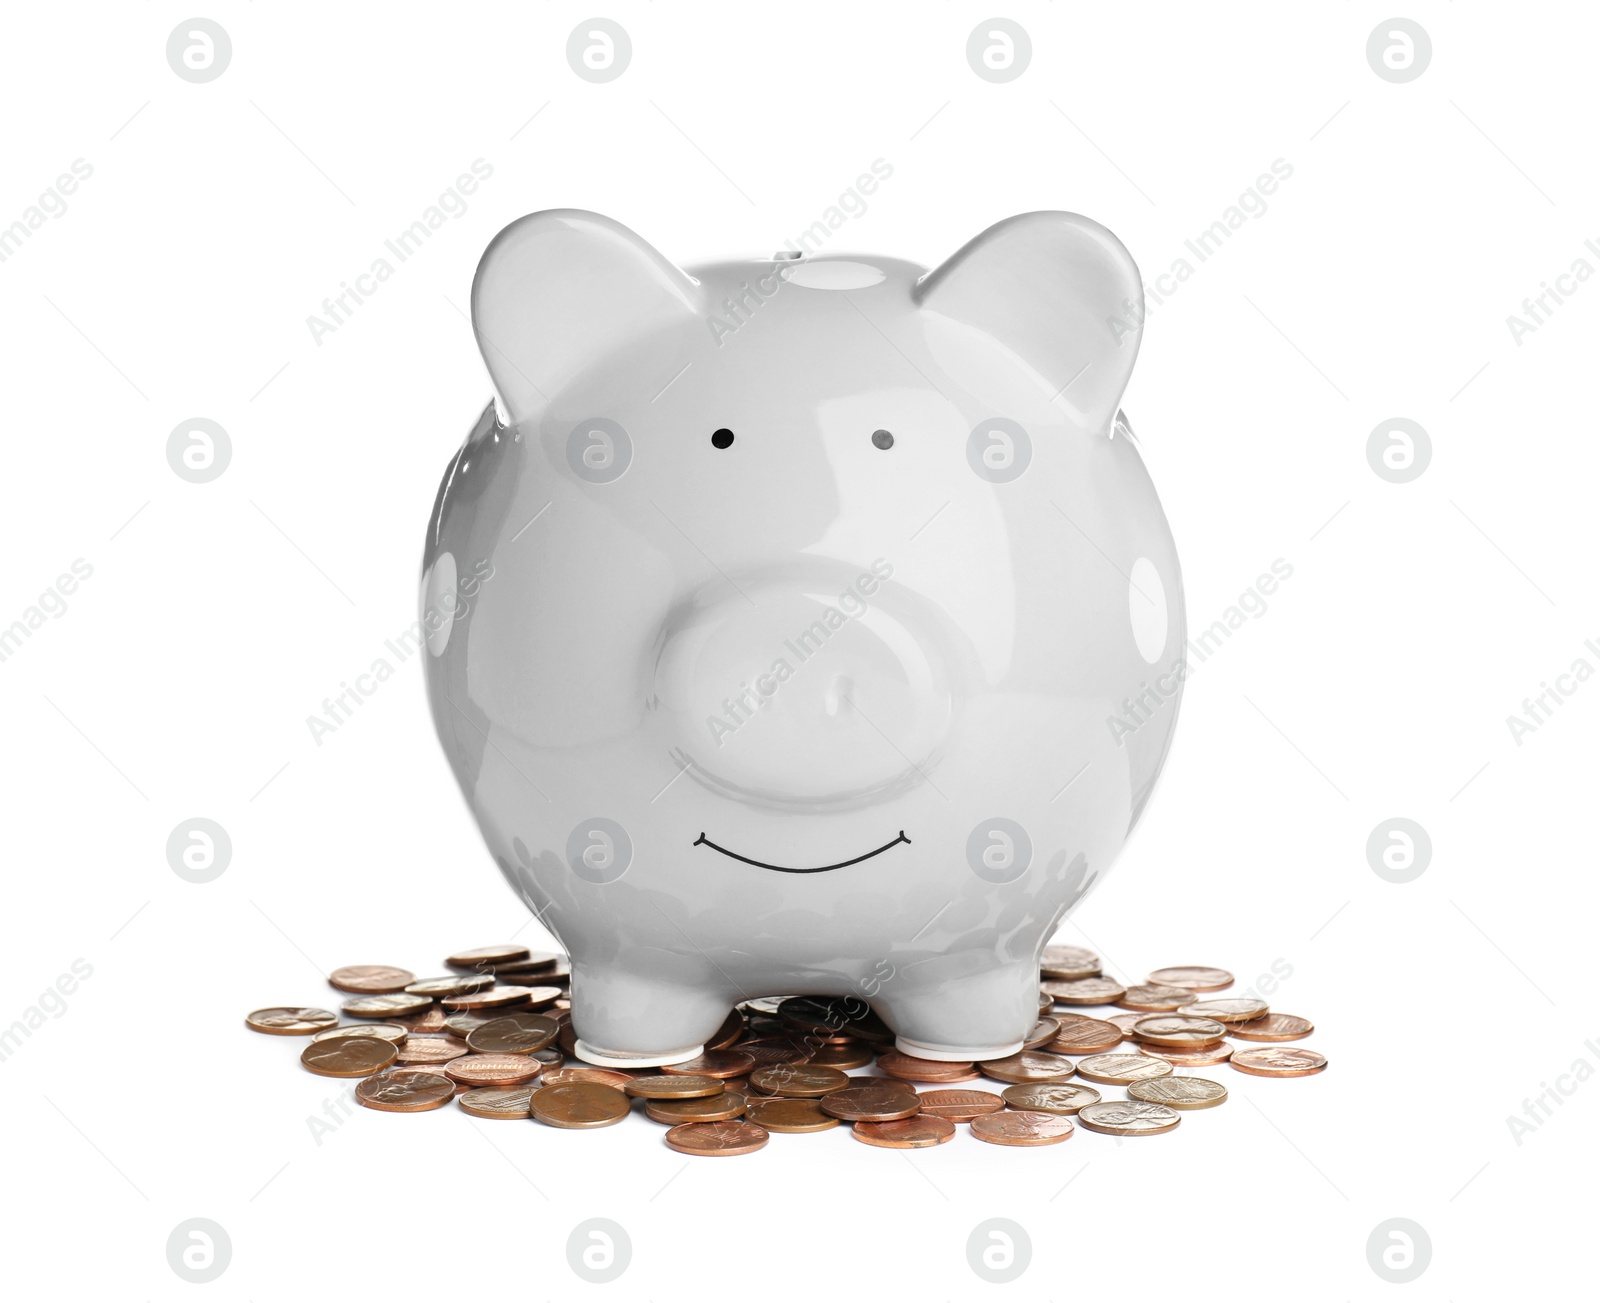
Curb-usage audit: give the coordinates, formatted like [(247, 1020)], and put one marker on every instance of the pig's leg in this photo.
[(943, 1009), (626, 1019)]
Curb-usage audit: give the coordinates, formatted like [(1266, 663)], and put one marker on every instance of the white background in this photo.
[(219, 616)]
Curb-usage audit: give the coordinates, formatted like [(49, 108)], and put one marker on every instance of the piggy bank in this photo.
[(803, 625)]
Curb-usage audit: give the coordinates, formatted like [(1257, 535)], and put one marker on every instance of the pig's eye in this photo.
[(722, 438), (882, 439)]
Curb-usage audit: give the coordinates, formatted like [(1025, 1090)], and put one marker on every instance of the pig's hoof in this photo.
[(616, 1059), (956, 1054)]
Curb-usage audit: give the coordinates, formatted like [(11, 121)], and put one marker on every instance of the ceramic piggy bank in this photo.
[(803, 625)]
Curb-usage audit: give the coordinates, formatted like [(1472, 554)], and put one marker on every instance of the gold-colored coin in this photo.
[(437, 987), (717, 1139), (1120, 1069), (665, 1086), (712, 1063), (1086, 990), (370, 979), (1128, 1118), (430, 1022), (1153, 998), (1068, 963), (1193, 977), (436, 1050), (579, 1105), (386, 1006), (1028, 1066), (500, 1102), (921, 1132), (503, 997), (872, 1103), (729, 1033), (908, 1067), (798, 1080), (515, 1033), (1046, 1097), (347, 1056), (490, 955), (1042, 1033), (1124, 1022), (795, 1116), (1185, 1057), (1273, 1027), (1278, 1061), (959, 1105), (400, 1090), (598, 1076), (383, 1031), (1185, 1030), (1022, 1128), (285, 1020), (1237, 1009), (707, 1108), (1182, 1093), (849, 1054), (492, 1070), (1080, 1035)]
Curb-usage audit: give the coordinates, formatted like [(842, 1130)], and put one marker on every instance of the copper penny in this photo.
[(871, 1103), (1069, 963), (1047, 1097), (796, 1116), (579, 1105), (1085, 990), (1278, 1061), (492, 1070), (1042, 1033), (1187, 1031), (1217, 1052), (798, 1080), (662, 1085), (516, 1033), (1154, 998), (432, 1049), (1120, 1069), (712, 1063), (463, 1024), (1192, 977), (1022, 1128), (386, 1006), (1181, 1093), (835, 1016), (1236, 1010), (1080, 1035), (1128, 1118), (1028, 1066), (1124, 1022), (284, 1020), (717, 1139), (370, 979), (503, 997), (912, 1133), (507, 1102), (383, 1031), (1273, 1027), (401, 1090), (731, 1030), (535, 965), (430, 1022), (596, 1076), (909, 1068), (849, 1054), (958, 1105), (708, 1108), (506, 954), (776, 1049), (437, 987), (348, 1056)]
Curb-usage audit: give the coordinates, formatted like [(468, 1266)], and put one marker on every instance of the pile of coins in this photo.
[(496, 1036)]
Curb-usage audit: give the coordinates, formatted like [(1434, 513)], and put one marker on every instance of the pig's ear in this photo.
[(558, 290), (1061, 293)]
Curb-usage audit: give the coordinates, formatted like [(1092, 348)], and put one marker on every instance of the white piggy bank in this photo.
[(803, 625)]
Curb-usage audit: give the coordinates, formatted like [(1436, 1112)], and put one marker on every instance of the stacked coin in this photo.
[(496, 1036)]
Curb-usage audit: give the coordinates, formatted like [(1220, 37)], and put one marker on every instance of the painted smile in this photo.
[(821, 868)]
